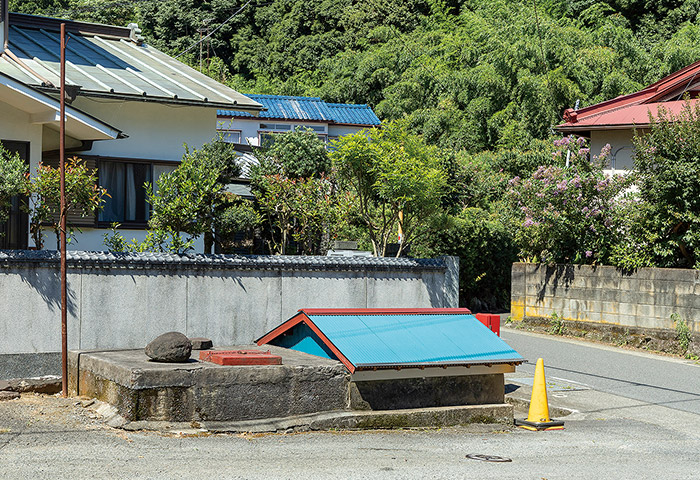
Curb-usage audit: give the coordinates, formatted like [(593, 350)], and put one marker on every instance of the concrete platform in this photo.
[(197, 391), (304, 393)]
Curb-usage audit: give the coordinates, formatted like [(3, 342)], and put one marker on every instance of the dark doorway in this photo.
[(14, 233)]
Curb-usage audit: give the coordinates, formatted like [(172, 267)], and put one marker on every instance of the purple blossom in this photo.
[(588, 254)]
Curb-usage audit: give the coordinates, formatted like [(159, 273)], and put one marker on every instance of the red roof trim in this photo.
[(384, 311), (648, 95), (302, 318)]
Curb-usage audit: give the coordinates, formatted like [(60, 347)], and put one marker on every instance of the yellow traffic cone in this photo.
[(538, 416)]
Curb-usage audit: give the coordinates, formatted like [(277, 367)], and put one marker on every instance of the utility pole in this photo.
[(200, 30), (62, 166)]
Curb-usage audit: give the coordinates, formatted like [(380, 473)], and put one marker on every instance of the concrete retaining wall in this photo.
[(121, 301), (645, 298)]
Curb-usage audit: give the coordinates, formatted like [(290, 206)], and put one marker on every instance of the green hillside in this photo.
[(469, 75)]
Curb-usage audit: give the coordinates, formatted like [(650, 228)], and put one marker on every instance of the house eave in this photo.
[(154, 99), (84, 122)]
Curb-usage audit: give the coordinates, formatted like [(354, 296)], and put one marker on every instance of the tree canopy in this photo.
[(465, 74)]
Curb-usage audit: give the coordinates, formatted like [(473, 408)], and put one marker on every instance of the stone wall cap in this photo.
[(144, 260)]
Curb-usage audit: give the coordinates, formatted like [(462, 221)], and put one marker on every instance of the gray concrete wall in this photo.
[(645, 298), (120, 301)]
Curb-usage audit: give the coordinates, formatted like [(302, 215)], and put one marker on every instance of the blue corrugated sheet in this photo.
[(308, 108), (378, 340)]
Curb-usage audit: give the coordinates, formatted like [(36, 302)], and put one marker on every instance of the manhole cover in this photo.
[(487, 458)]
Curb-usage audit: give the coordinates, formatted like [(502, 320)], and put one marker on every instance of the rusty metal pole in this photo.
[(62, 166)]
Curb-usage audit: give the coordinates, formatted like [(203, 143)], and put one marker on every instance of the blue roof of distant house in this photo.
[(308, 108)]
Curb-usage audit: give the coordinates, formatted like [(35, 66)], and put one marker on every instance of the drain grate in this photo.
[(487, 458)]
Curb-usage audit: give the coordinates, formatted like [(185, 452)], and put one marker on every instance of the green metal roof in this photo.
[(108, 61)]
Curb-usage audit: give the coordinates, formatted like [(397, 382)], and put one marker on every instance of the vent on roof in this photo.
[(135, 34)]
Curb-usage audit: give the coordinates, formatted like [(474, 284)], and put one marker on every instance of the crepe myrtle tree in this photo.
[(397, 181), (569, 211)]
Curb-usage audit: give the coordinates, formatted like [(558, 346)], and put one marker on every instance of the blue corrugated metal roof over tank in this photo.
[(370, 340), (366, 338)]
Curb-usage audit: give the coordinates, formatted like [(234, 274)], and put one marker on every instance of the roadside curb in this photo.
[(501, 414)]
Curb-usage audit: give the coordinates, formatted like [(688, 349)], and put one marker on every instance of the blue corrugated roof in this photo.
[(282, 107), (386, 340)]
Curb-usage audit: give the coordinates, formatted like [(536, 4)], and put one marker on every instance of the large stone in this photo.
[(171, 347)]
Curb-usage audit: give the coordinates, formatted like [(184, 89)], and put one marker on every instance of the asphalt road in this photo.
[(652, 379), (608, 435), (53, 440)]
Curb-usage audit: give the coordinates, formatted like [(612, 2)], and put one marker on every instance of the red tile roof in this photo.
[(632, 110)]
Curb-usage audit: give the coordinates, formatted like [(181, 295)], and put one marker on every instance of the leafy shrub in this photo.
[(486, 253), (556, 324), (13, 179), (667, 163), (83, 196), (683, 333)]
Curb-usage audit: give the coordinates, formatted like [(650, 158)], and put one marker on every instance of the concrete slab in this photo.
[(305, 392), (197, 391)]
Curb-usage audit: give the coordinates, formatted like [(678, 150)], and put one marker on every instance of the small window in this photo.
[(267, 139), (275, 126), (161, 169), (231, 136)]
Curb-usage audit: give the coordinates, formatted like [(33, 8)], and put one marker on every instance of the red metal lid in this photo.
[(240, 357)]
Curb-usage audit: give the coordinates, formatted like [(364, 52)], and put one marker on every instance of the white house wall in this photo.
[(621, 147), (250, 128), (15, 125), (341, 130), (156, 131)]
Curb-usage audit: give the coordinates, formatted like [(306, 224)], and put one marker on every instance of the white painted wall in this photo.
[(14, 125), (621, 148), (341, 130), (250, 128), (156, 131)]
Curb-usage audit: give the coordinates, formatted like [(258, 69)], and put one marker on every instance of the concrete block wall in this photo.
[(645, 298), (119, 301)]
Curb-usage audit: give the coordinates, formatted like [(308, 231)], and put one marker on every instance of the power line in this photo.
[(214, 31)]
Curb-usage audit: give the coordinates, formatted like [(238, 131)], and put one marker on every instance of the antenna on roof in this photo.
[(135, 34)]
